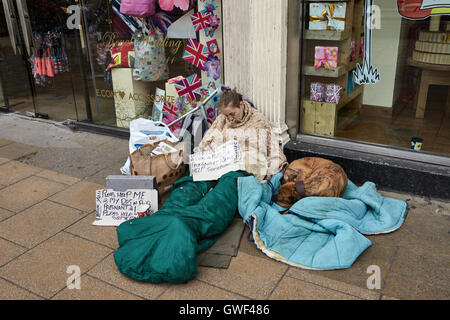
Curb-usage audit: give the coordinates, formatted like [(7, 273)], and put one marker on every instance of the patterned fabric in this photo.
[(196, 53), (259, 130), (150, 58)]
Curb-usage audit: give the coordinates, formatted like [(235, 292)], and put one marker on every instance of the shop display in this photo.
[(213, 47), (352, 50), (361, 47), (138, 8), (332, 93), (200, 20), (326, 57), (168, 5), (122, 56), (317, 91), (432, 47), (327, 16), (196, 53), (189, 87), (331, 57), (49, 57), (150, 58), (212, 67)]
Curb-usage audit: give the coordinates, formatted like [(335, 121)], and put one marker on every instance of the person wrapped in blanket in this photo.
[(239, 121), (164, 246)]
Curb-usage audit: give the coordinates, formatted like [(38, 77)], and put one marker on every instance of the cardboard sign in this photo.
[(211, 165), (115, 207)]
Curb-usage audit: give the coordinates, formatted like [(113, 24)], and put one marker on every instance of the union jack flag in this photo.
[(169, 108), (200, 20), (189, 86), (196, 53)]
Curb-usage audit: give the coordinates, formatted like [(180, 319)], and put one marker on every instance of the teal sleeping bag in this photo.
[(164, 246)]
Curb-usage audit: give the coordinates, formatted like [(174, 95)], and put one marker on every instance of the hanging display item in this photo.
[(168, 5), (200, 20), (189, 87), (212, 67), (150, 59), (49, 57), (196, 53), (213, 47), (138, 8), (213, 25)]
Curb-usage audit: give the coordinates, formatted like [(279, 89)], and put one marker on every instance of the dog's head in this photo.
[(289, 193)]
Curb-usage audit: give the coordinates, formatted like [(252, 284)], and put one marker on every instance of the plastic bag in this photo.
[(144, 131)]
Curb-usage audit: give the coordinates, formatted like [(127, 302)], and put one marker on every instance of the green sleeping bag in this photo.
[(164, 246)]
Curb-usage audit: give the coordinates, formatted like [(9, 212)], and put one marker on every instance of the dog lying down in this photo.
[(311, 176)]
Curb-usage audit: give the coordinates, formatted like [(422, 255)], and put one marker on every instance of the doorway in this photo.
[(41, 61)]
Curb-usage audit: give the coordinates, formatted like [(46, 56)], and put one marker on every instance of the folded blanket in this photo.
[(318, 232)]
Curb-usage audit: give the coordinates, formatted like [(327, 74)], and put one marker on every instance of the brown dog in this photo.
[(311, 176)]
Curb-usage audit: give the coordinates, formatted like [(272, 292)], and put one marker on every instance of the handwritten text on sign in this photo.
[(211, 165), (115, 207)]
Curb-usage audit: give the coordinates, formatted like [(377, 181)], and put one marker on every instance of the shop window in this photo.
[(377, 71), (159, 66)]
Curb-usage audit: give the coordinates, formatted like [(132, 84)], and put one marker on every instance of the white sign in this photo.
[(211, 165), (115, 207), (429, 4)]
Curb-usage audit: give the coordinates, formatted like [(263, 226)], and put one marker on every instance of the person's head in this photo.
[(231, 105)]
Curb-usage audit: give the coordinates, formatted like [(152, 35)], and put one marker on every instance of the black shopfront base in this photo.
[(390, 174)]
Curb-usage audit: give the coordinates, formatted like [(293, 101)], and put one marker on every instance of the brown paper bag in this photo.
[(166, 168)]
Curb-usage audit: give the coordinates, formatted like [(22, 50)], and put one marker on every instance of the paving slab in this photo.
[(93, 289), (197, 290), (43, 269), (100, 234), (16, 150), (27, 192), (316, 278), (294, 289), (38, 223), (57, 177), (11, 291), (9, 251), (80, 195), (107, 271), (14, 171), (242, 278), (5, 214)]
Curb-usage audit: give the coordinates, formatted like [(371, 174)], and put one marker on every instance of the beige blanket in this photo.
[(261, 150)]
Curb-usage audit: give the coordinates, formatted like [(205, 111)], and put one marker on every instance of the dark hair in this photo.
[(230, 97)]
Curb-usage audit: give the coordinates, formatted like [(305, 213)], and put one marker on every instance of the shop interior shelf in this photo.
[(327, 34), (322, 72)]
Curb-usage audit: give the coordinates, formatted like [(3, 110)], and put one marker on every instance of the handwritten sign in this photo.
[(211, 165), (115, 207)]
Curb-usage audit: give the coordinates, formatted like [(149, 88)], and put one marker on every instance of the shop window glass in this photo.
[(158, 66), (378, 71)]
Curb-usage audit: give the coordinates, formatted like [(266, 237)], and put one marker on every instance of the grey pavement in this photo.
[(48, 178)]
